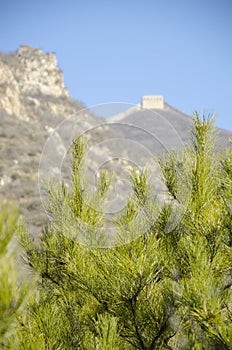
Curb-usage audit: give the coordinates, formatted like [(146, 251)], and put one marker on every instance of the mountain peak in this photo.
[(29, 72)]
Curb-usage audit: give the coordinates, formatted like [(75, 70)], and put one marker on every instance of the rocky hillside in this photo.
[(39, 119), (33, 101)]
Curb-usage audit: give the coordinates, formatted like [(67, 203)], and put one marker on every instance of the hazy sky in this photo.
[(117, 51)]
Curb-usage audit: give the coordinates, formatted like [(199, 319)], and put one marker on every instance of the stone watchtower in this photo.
[(153, 102)]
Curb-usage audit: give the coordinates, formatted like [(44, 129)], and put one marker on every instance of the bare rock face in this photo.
[(25, 76), (38, 72), (9, 90)]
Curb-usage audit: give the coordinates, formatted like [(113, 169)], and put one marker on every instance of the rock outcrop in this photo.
[(38, 72), (27, 75)]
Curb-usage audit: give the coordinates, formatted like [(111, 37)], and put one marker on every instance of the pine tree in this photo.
[(202, 254), (13, 287), (165, 285)]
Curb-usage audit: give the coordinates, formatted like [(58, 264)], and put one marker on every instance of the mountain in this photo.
[(33, 101), (39, 119)]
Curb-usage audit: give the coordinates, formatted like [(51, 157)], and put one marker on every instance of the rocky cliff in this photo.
[(27, 75)]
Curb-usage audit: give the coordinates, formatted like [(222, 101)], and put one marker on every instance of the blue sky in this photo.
[(117, 51)]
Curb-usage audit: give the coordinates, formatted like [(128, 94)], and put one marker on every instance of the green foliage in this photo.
[(166, 285), (82, 210), (13, 290)]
